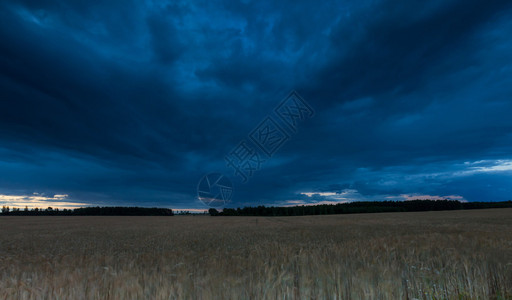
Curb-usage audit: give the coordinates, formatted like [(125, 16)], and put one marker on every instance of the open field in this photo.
[(424, 255)]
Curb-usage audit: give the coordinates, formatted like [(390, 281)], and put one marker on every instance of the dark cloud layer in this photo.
[(132, 103)]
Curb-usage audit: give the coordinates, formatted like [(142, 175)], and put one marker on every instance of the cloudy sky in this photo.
[(132, 103)]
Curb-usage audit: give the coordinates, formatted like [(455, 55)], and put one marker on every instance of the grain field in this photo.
[(423, 255)]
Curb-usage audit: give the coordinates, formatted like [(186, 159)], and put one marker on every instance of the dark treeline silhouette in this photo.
[(358, 207), (89, 211), (322, 209)]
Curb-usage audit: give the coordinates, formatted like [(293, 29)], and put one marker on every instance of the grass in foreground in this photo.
[(424, 255)]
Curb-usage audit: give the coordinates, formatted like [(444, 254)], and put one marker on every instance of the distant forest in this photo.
[(322, 209), (89, 211), (358, 207)]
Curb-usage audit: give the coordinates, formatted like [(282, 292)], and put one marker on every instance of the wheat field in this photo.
[(423, 255)]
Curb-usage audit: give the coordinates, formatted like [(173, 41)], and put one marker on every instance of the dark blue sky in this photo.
[(129, 103)]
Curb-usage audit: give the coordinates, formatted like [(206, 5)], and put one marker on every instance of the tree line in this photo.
[(88, 211), (302, 210), (358, 207)]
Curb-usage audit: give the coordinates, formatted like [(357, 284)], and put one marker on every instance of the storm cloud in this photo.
[(131, 103)]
